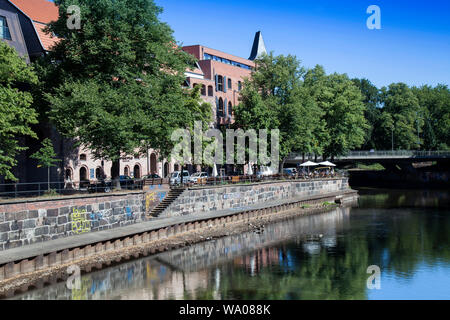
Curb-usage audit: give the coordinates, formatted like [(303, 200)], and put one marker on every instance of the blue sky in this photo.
[(413, 45)]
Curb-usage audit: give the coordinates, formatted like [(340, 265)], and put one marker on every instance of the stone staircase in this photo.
[(167, 201)]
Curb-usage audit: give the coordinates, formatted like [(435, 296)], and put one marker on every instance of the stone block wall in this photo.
[(25, 223), (201, 200)]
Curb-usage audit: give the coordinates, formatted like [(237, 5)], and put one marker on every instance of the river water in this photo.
[(404, 233)]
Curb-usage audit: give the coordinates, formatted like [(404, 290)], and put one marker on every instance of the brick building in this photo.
[(220, 74)]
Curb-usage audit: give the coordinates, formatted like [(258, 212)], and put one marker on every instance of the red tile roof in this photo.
[(47, 40), (42, 12)]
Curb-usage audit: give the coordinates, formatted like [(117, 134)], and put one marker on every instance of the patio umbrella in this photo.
[(327, 164), (309, 164), (250, 169)]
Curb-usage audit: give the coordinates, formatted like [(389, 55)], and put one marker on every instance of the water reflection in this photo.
[(316, 257)]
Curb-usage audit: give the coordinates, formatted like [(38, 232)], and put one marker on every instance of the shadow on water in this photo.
[(315, 257)]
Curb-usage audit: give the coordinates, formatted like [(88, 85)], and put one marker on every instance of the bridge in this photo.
[(383, 157)]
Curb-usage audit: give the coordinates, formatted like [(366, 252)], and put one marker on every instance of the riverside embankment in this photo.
[(47, 261)]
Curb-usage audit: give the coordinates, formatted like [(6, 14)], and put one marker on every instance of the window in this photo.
[(239, 86), (83, 174), (230, 108), (220, 83), (207, 56), (210, 91), (230, 85), (203, 91), (4, 30), (99, 174), (220, 111), (83, 157)]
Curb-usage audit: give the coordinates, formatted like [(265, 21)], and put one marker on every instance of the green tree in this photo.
[(117, 81), (16, 115), (372, 111), (435, 103), (385, 131), (46, 157), (343, 111), (403, 106), (274, 98)]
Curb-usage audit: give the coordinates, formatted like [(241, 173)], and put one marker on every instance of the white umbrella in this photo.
[(327, 164), (215, 174), (250, 169), (309, 164)]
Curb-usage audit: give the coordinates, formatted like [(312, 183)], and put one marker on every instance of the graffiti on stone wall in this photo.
[(80, 222), (153, 198)]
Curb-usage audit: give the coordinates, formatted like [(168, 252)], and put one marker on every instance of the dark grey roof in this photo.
[(258, 46)]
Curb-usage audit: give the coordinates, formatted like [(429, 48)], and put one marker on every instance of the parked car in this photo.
[(100, 186), (197, 176), (152, 176), (126, 182), (175, 178), (291, 172)]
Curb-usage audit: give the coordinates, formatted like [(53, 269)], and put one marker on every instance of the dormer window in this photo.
[(4, 29)]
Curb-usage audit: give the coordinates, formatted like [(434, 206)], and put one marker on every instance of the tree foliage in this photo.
[(274, 98), (343, 110), (46, 155), (16, 115), (119, 78), (403, 106)]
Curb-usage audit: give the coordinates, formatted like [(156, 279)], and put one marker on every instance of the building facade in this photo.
[(220, 75)]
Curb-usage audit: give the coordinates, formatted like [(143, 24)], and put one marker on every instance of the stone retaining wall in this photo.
[(30, 222), (201, 200)]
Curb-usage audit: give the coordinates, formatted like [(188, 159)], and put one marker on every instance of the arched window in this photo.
[(210, 91), (153, 163), (166, 170), (137, 172), (239, 86), (68, 174), (220, 110), (98, 173), (230, 108), (83, 157), (83, 174), (203, 91), (126, 171), (230, 85), (177, 167), (220, 83)]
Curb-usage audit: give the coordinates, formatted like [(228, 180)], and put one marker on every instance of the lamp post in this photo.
[(392, 128)]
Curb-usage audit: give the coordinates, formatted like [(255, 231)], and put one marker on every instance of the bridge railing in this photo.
[(378, 154), (396, 153)]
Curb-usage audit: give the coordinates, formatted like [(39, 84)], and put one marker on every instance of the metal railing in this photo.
[(246, 179), (386, 154), (396, 153), (37, 189)]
